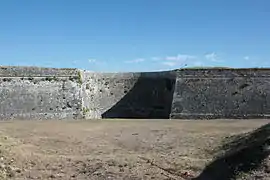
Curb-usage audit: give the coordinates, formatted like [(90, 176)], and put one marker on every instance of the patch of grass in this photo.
[(85, 110)]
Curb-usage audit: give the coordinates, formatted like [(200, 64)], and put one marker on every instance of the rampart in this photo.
[(39, 93), (221, 93), (51, 93), (128, 95)]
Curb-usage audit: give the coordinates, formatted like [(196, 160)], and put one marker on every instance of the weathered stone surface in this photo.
[(128, 95), (222, 93), (20, 71), (38, 93), (51, 93)]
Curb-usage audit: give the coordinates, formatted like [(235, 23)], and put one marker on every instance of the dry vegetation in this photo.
[(137, 149)]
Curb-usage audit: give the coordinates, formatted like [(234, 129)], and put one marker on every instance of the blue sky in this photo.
[(135, 35)]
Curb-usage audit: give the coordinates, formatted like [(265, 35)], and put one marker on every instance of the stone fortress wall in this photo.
[(128, 95), (39, 93), (51, 93), (222, 93)]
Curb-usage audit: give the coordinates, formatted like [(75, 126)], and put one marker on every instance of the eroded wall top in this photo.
[(17, 71), (224, 72)]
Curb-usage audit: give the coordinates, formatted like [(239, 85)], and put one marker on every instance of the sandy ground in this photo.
[(113, 149)]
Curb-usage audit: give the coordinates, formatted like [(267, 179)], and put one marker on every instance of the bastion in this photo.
[(66, 93)]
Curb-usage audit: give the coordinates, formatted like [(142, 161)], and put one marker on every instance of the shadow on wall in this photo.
[(151, 98), (243, 155)]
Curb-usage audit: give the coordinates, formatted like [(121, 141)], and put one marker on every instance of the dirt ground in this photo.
[(113, 149)]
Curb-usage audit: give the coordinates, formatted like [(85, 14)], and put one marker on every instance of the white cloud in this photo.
[(96, 62), (92, 60), (246, 58), (180, 57), (212, 57), (138, 60), (169, 60), (180, 60)]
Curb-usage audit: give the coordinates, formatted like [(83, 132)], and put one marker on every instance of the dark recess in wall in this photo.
[(150, 97)]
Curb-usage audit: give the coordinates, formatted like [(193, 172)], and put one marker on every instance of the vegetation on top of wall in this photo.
[(80, 77)]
